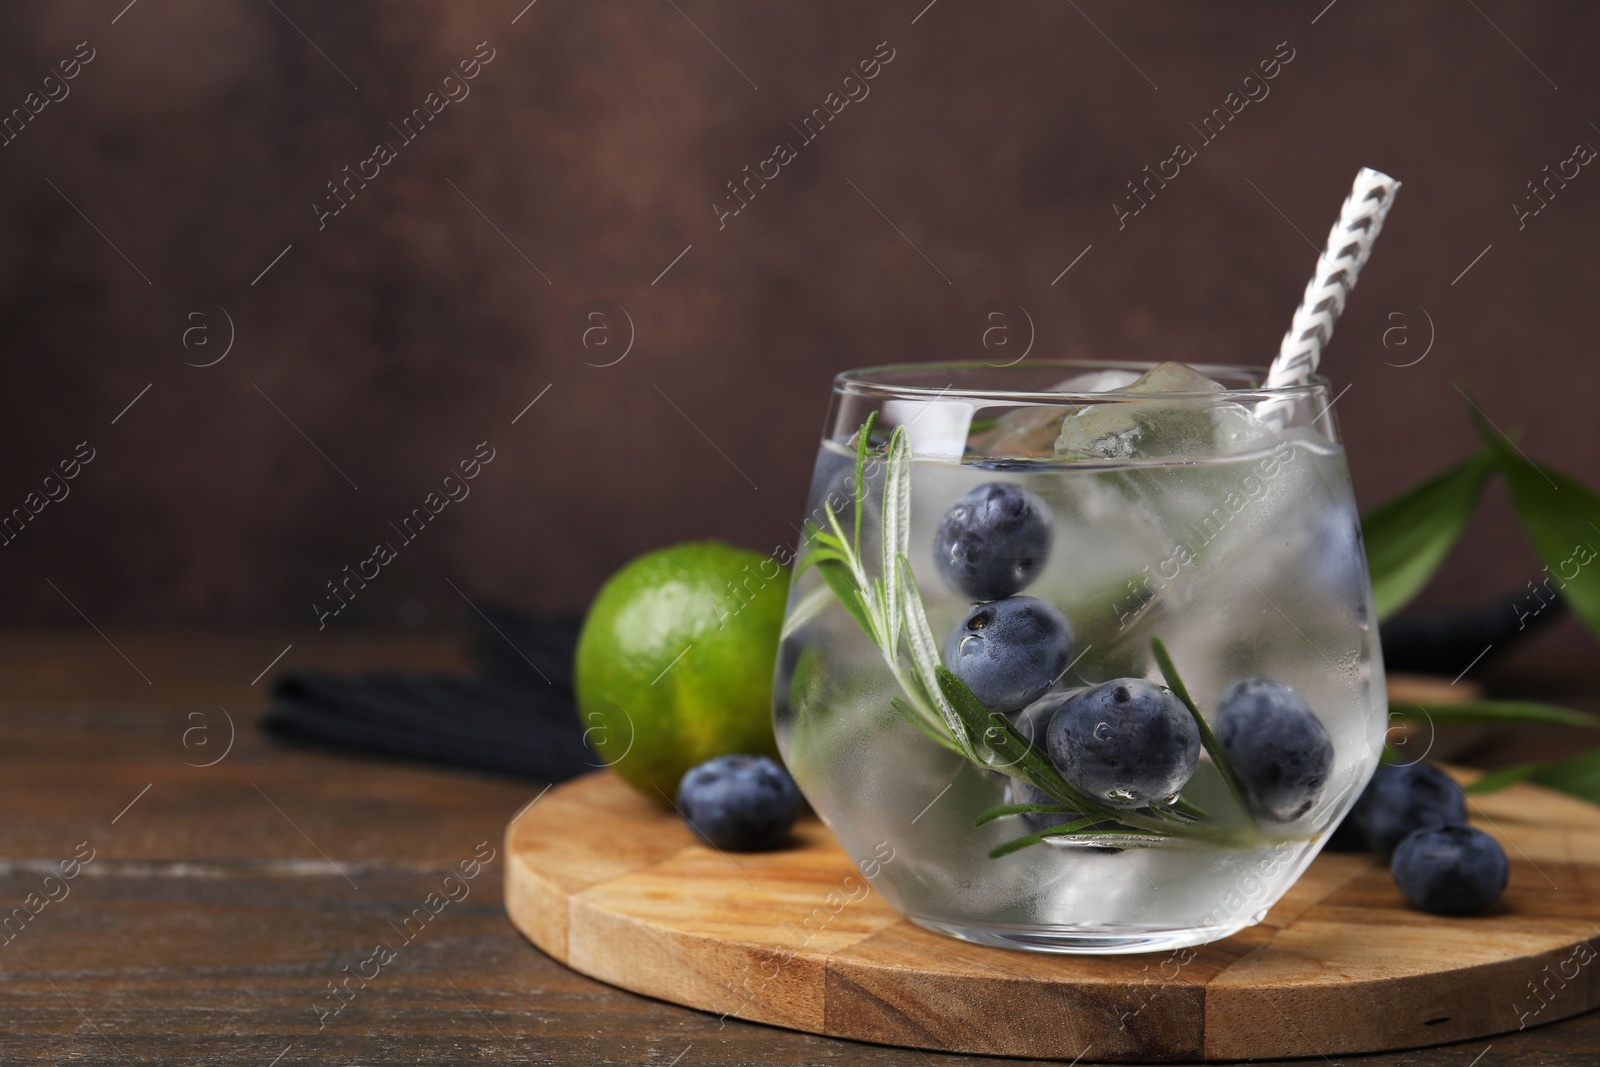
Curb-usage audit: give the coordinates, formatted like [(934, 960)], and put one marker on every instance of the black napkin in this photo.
[(1449, 642), (517, 717)]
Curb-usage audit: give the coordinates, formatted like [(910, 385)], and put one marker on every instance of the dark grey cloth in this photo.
[(1446, 642), (518, 717)]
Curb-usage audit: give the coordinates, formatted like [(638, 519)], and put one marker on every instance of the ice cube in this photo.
[(1173, 378), (1030, 432), (1096, 381), (933, 427), (1136, 429)]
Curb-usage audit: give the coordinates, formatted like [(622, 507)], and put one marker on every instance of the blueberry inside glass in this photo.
[(1070, 645)]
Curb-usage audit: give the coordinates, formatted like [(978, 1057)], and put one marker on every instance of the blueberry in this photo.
[(1451, 870), (740, 803), (1280, 750), (1009, 652), (1124, 742), (1400, 799), (993, 541)]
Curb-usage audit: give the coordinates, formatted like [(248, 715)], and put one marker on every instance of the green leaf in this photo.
[(1493, 712), (1035, 838), (863, 437), (911, 715), (843, 584), (896, 522), (1497, 780), (972, 719), (1022, 809), (993, 734), (1182, 809), (809, 607), (925, 656), (1207, 738), (1562, 518), (1579, 776), (1408, 537), (1011, 751)]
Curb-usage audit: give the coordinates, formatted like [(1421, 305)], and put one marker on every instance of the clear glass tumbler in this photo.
[(1080, 657)]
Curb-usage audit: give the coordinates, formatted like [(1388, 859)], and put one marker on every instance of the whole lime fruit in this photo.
[(675, 662)]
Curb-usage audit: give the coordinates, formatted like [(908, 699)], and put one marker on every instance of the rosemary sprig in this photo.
[(888, 607), (1207, 739)]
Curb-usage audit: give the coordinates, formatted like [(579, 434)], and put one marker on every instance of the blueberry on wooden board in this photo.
[(739, 803), (1404, 798), (1451, 870)]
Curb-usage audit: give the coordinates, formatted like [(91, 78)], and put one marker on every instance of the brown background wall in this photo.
[(597, 139)]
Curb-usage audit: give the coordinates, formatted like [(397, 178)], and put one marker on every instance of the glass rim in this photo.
[(860, 382)]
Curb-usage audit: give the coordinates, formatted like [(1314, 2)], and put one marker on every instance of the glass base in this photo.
[(1109, 940)]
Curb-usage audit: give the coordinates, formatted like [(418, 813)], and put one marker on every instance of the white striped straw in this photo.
[(1349, 244)]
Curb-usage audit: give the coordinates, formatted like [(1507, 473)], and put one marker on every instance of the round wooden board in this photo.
[(616, 887)]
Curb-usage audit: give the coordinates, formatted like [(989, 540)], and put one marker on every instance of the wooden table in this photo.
[(222, 901)]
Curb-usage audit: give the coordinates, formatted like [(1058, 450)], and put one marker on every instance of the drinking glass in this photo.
[(1202, 534)]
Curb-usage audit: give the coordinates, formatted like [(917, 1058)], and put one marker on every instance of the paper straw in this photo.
[(1348, 246)]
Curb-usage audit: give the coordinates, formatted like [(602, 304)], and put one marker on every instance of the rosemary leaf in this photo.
[(842, 582), (1021, 843), (920, 721), (1207, 738), (1022, 809), (863, 438), (896, 525)]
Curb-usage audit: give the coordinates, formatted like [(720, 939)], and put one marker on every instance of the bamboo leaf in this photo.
[(1497, 780), (1579, 776), (1493, 712), (1408, 537), (1207, 738), (1561, 516)]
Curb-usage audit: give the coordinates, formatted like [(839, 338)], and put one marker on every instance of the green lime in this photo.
[(675, 662)]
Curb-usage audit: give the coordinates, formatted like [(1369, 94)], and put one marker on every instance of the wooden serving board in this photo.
[(616, 887)]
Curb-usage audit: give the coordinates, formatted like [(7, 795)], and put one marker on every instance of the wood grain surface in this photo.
[(211, 920), (618, 888)]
